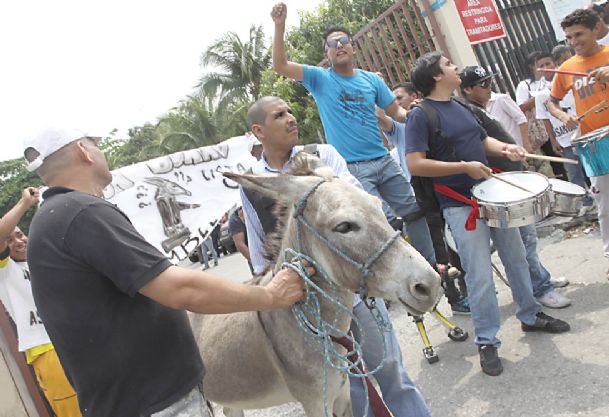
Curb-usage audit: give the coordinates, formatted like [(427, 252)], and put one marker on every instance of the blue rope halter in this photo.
[(308, 312)]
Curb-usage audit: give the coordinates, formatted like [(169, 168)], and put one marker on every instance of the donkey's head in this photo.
[(347, 220)]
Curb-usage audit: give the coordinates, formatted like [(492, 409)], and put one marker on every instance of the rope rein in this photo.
[(308, 312)]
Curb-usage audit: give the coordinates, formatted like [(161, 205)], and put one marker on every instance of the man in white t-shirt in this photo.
[(16, 295), (507, 112), (561, 135), (603, 34), (526, 92)]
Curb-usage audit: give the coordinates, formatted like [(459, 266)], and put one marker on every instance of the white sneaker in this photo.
[(553, 299), (559, 282)]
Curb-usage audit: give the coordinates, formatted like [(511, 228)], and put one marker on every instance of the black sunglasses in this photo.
[(333, 43)]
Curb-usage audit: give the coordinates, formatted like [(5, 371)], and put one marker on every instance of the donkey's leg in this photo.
[(342, 404), (339, 398), (313, 408), (233, 412)]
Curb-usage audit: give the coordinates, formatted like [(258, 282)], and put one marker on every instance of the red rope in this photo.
[(474, 213), (377, 405)]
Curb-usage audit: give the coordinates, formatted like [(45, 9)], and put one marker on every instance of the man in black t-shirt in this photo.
[(238, 231), (113, 305)]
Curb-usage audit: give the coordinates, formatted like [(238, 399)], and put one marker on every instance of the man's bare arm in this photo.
[(280, 62), (569, 120), (200, 292), (527, 105), (495, 147), (241, 244), (29, 198), (550, 129), (524, 134), (396, 112), (385, 122), (600, 74), (418, 164)]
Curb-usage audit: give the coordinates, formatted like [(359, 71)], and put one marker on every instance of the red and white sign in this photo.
[(481, 20)]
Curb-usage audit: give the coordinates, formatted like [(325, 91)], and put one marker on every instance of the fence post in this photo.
[(459, 49)]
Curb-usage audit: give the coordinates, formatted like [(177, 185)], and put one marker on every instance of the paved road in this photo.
[(545, 375)]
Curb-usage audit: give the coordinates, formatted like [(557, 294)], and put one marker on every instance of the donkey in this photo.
[(262, 359)]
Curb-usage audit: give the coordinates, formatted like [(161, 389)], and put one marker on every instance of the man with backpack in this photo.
[(455, 156), (406, 96), (476, 88)]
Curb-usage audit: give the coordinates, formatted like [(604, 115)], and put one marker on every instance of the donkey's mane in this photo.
[(304, 164)]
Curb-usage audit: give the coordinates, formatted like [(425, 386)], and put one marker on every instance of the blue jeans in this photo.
[(475, 251), (398, 390), (206, 245), (576, 172), (192, 404), (540, 277), (383, 178)]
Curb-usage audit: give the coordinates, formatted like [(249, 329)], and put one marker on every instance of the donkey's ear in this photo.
[(309, 164), (278, 187)]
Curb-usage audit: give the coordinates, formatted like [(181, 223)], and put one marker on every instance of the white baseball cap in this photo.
[(50, 141)]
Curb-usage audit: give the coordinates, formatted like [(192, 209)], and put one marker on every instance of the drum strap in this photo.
[(474, 213)]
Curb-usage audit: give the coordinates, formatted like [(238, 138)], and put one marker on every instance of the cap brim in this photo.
[(478, 81)]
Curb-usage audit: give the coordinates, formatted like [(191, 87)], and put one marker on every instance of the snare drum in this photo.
[(593, 150), (503, 205), (568, 197)]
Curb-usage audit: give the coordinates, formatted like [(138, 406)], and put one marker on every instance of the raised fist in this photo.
[(279, 13)]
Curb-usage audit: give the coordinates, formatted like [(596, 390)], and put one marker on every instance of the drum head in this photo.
[(566, 187), (493, 190), (599, 133)]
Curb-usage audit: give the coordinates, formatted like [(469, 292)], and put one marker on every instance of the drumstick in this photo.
[(556, 71), (513, 184), (547, 158), (591, 109)]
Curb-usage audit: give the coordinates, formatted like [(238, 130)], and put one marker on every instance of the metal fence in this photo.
[(395, 39), (528, 29)]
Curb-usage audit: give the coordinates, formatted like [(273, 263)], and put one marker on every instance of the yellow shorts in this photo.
[(55, 385)]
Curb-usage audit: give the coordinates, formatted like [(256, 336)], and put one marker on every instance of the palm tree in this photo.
[(191, 124), (239, 67)]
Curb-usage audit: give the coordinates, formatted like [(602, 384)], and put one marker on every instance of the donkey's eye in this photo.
[(346, 227)]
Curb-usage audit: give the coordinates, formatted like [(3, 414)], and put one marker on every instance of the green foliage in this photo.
[(307, 39), (217, 110), (14, 178), (240, 73), (143, 144), (191, 124), (240, 64)]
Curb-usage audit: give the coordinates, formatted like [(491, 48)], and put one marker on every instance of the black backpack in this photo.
[(423, 186)]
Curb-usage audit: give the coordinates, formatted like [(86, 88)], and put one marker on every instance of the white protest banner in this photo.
[(172, 200)]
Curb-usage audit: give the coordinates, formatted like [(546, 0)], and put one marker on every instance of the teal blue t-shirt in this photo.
[(346, 108)]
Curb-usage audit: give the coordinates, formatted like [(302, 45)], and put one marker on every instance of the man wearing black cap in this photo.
[(505, 110), (476, 88)]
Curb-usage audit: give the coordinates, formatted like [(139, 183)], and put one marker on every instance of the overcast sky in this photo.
[(109, 64)]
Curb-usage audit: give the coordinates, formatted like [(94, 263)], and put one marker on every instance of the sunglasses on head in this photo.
[(333, 43), (485, 83)]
